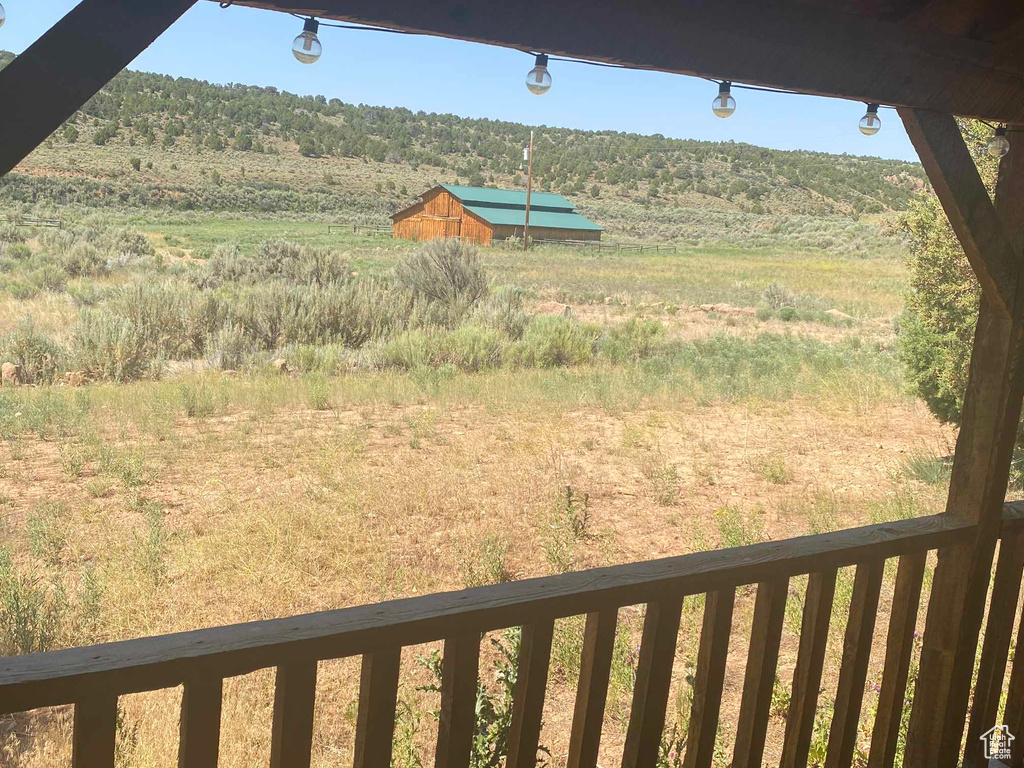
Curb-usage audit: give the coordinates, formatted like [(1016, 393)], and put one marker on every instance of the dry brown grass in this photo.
[(271, 510)]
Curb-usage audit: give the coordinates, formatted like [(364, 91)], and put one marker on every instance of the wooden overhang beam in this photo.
[(778, 43), (991, 236), (963, 196), (63, 69)]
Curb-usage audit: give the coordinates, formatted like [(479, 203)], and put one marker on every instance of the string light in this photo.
[(871, 123), (724, 104), (999, 145), (538, 80), (306, 47)]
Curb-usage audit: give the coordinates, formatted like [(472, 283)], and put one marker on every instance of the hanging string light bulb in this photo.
[(999, 145), (306, 47), (871, 123), (3, 15), (539, 79), (724, 104)]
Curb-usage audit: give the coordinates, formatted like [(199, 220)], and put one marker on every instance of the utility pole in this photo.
[(529, 190)]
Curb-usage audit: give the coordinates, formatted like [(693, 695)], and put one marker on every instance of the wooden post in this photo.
[(69, 64), (529, 191), (991, 413)]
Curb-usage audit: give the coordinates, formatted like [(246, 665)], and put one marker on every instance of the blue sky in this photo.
[(249, 46)]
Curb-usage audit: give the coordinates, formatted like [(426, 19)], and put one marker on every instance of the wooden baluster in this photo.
[(653, 676), (199, 729), (291, 741), (92, 744), (1013, 717), (709, 679), (860, 628), (899, 646), (759, 680), (378, 697), (531, 683), (810, 658), (592, 691), (996, 648), (457, 720)]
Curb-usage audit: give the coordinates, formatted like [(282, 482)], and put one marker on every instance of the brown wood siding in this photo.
[(441, 215), (504, 231), (438, 216)]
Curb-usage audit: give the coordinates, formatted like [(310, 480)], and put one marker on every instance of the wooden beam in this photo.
[(981, 465), (954, 176), (64, 68), (821, 49)]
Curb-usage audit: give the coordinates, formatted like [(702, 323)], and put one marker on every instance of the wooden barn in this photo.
[(483, 215)]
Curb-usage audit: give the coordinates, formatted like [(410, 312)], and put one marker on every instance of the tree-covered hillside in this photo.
[(154, 140)]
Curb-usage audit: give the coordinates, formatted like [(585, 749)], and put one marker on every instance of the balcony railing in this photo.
[(92, 678)]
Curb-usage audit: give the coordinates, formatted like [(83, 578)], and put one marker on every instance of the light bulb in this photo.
[(3, 15), (306, 47), (539, 79), (724, 104), (871, 123), (999, 145)]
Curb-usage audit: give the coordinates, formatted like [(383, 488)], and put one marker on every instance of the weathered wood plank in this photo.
[(810, 658), (996, 649), (800, 46), (457, 721), (378, 698), (653, 677), (709, 678), (977, 489), (860, 627), (65, 67), (592, 691), (759, 679), (291, 741), (898, 649), (531, 685), (199, 730), (60, 677), (95, 732)]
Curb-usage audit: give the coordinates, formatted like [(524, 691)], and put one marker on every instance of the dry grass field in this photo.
[(204, 496)]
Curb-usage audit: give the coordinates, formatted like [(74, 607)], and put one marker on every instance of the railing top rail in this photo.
[(59, 677)]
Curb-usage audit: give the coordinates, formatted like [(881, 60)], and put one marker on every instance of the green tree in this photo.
[(307, 146), (937, 325)]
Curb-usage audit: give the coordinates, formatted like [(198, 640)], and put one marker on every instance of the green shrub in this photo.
[(445, 271), (49, 278), (83, 259), (31, 613), (9, 233), (228, 348), (17, 251), (471, 348), (936, 330), (551, 341), (634, 339), (503, 310), (41, 359), (105, 346)]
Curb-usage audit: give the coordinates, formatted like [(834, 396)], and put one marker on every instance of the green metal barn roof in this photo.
[(488, 196), (516, 217), (508, 207)]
